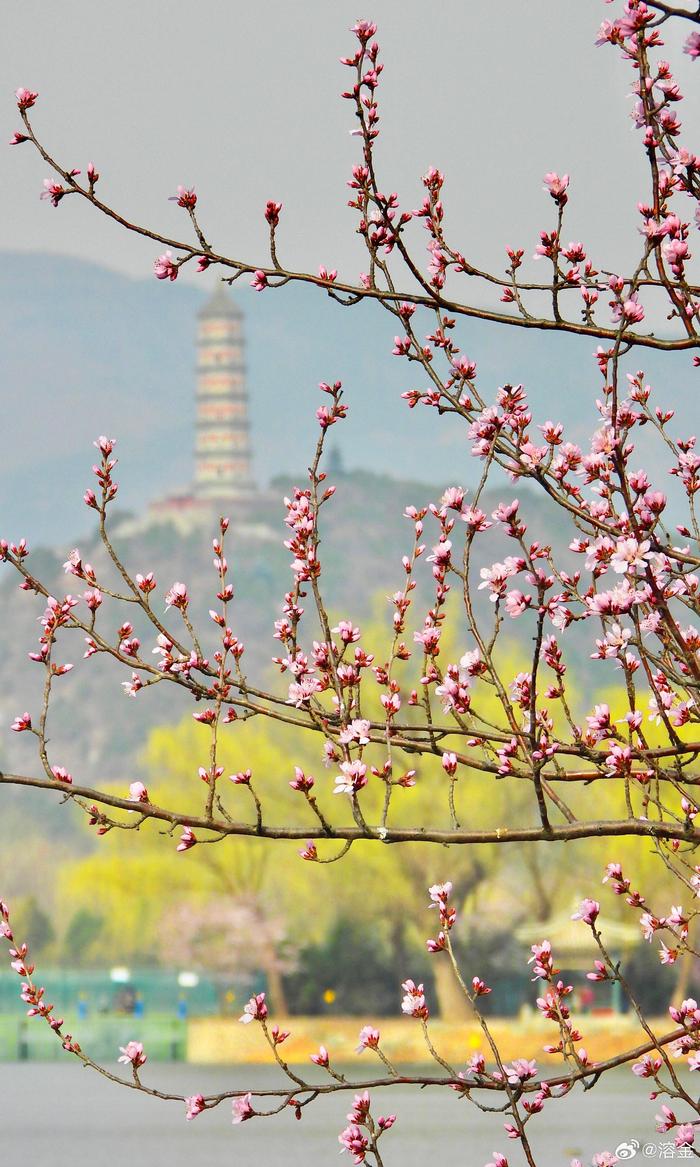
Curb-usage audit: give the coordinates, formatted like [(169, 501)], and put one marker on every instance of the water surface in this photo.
[(63, 1115)]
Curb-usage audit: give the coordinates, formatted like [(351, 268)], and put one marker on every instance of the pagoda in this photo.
[(223, 480), (222, 449)]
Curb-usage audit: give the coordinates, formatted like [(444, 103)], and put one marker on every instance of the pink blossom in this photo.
[(364, 30), (556, 187), (677, 917), (472, 663), (146, 583), (475, 518), (441, 554), (255, 1010), (453, 498), (132, 1053), (58, 670), (598, 723), (187, 839), (21, 723), (272, 212), (440, 892), (321, 1058), (25, 98), (242, 778), (495, 577), (356, 731), (391, 703), (687, 1013), (302, 782), (93, 598), (629, 554), (517, 603), (61, 774), (241, 1108), (429, 638), (629, 311), (677, 252), (691, 46), (541, 960), (354, 1142), (369, 1039), (177, 597), (186, 198), (138, 792), (53, 191), (195, 1105), (105, 445), (302, 691), (165, 267), (521, 1070), (647, 1067), (205, 716), (464, 367), (685, 1135), (352, 779), (454, 690), (413, 1003), (259, 281), (619, 760), (348, 634)]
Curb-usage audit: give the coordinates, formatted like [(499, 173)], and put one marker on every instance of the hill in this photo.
[(94, 728)]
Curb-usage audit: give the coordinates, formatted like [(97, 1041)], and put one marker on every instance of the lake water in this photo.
[(60, 1116)]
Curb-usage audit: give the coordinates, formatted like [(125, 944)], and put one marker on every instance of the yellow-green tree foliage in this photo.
[(133, 883)]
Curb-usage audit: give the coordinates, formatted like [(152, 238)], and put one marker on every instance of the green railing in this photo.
[(156, 990), (29, 1039)]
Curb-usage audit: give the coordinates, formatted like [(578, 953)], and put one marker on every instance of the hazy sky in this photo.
[(241, 100)]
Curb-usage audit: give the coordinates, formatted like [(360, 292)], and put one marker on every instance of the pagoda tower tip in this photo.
[(220, 304)]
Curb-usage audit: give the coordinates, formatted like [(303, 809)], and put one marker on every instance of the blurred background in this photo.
[(134, 941)]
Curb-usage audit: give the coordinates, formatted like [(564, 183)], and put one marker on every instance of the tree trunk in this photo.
[(452, 1004), (277, 997)]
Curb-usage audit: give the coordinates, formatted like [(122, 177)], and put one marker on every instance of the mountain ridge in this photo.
[(87, 351)]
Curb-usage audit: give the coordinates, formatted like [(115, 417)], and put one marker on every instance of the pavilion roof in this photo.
[(573, 946)]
